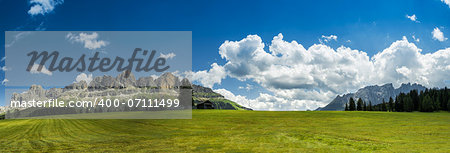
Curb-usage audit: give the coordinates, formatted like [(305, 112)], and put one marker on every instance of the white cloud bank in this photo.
[(301, 78), (88, 40), (43, 6), (438, 35)]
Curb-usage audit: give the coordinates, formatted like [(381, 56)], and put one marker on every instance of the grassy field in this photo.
[(236, 131)]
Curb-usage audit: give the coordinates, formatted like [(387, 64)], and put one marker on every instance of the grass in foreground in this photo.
[(236, 131)]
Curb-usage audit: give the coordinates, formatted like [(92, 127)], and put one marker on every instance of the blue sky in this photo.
[(368, 26)]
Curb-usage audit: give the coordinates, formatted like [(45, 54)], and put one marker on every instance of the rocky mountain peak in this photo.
[(36, 87), (408, 87)]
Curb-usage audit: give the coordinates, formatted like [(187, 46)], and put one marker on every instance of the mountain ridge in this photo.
[(104, 86), (374, 94)]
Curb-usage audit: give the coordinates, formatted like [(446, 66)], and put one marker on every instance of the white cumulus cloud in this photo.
[(88, 40), (446, 2), (415, 39), (438, 35), (43, 6), (84, 77), (5, 81), (44, 70), (329, 38), (313, 77), (167, 56)]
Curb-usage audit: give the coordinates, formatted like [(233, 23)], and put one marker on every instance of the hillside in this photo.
[(374, 94)]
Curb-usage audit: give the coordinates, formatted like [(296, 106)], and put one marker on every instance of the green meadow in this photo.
[(236, 131)]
